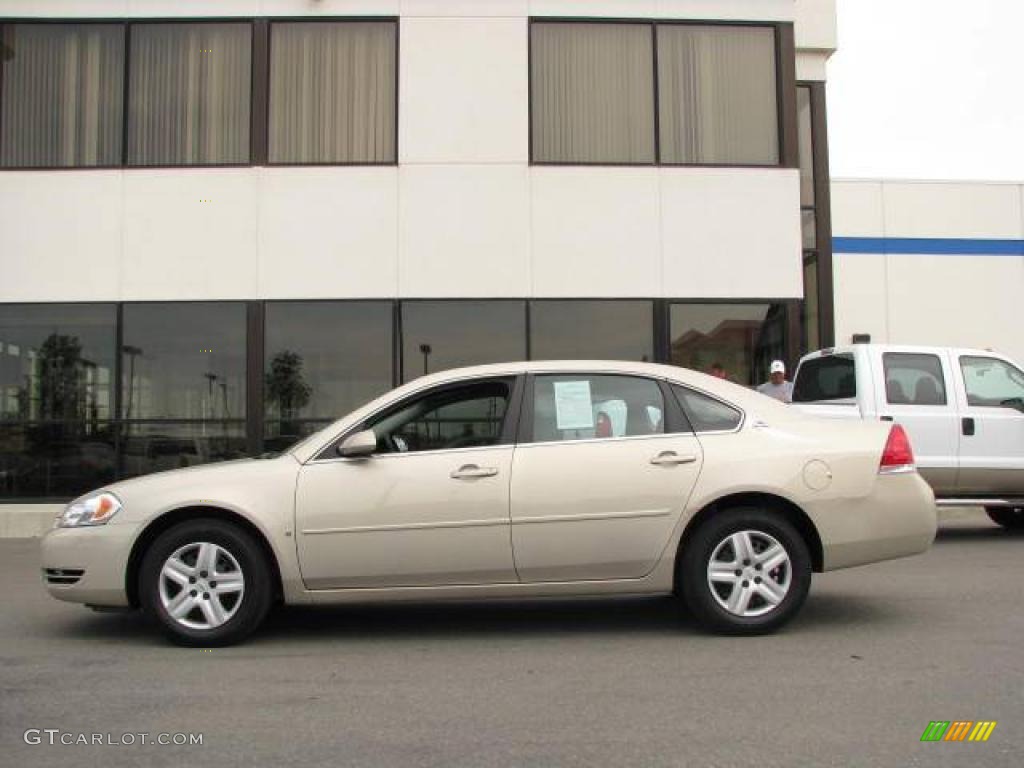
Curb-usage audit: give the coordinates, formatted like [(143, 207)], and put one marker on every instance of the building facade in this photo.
[(930, 262), (224, 224)]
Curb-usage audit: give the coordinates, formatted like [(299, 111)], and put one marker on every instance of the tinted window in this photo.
[(56, 398), (188, 94), (322, 360), (992, 382), (332, 92), (57, 362), (913, 379), (591, 330), (438, 335), (576, 407), (460, 417), (183, 361), (830, 377), (156, 447), (741, 339), (62, 94), (705, 413)]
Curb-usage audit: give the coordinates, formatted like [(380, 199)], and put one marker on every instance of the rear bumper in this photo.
[(897, 519), (100, 553)]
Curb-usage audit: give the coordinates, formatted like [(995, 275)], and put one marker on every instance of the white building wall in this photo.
[(943, 299), (463, 214)]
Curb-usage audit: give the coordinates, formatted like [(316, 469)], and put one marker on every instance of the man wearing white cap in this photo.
[(777, 386)]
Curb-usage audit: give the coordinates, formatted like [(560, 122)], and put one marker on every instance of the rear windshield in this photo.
[(825, 378)]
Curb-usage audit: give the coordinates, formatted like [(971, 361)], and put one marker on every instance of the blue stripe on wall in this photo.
[(933, 246)]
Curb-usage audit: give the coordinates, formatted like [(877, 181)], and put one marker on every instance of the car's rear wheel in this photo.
[(1008, 517), (745, 571), (206, 583)]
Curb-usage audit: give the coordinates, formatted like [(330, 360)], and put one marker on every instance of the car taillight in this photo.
[(897, 456)]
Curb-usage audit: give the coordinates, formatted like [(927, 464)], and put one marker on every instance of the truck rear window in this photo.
[(832, 377)]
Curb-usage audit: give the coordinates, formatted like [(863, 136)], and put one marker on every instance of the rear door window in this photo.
[(830, 377), (705, 413), (913, 379), (588, 407)]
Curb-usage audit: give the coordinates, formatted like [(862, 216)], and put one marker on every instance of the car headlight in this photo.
[(89, 510)]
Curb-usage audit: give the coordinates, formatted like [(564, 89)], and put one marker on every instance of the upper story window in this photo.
[(332, 92), (61, 95), (194, 93), (188, 94), (644, 92), (717, 95), (593, 93)]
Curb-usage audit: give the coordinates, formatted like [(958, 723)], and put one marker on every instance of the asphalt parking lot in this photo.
[(877, 653)]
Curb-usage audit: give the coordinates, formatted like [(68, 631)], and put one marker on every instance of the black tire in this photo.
[(246, 612), (1011, 518), (712, 534)]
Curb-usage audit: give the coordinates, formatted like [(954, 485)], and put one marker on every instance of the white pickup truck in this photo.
[(963, 410)]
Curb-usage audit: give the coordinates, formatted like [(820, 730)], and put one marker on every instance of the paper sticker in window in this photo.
[(573, 407)]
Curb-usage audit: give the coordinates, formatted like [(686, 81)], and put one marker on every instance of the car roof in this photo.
[(909, 348)]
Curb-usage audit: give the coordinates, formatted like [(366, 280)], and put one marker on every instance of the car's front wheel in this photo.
[(745, 572), (206, 583), (1008, 517)]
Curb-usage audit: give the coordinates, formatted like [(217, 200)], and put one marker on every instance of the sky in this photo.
[(927, 89)]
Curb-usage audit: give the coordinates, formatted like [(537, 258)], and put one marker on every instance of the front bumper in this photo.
[(897, 519), (100, 553)]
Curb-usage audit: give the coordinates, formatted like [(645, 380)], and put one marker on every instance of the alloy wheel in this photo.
[(201, 585), (749, 573)]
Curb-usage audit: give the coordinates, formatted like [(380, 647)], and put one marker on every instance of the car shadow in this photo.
[(504, 617), (546, 618), (978, 532)]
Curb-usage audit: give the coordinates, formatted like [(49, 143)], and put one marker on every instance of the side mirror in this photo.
[(360, 444)]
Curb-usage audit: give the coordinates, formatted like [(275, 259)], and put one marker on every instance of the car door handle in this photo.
[(472, 470), (967, 426), (671, 457)]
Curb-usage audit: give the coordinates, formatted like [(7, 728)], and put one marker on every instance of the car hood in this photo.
[(238, 485)]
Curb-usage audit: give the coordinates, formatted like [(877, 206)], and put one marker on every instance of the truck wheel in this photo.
[(1008, 517), (745, 571)]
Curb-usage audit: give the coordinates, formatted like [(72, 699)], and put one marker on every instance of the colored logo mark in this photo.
[(958, 730)]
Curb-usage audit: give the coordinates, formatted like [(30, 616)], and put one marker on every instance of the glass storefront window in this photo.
[(155, 447), (805, 145), (437, 335), (742, 339), (55, 459), (57, 362), (56, 398), (812, 339), (322, 360), (183, 361), (591, 330)]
